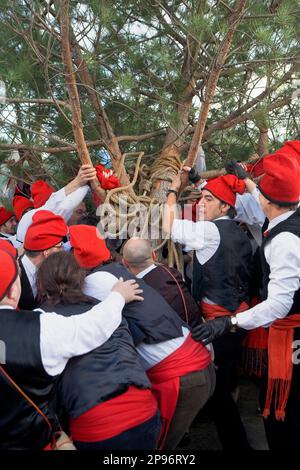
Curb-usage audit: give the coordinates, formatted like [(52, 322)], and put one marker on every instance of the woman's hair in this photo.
[(61, 279)]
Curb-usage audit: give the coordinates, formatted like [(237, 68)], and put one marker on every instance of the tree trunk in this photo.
[(263, 142), (73, 93), (106, 130)]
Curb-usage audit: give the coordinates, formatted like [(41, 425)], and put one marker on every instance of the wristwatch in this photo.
[(170, 191), (234, 321)]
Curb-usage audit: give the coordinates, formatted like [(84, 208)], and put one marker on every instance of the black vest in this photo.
[(27, 300), (161, 279), (101, 374), (225, 277), (152, 320), (292, 225), (21, 426)]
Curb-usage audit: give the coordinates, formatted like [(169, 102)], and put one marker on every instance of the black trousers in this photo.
[(222, 407), (284, 434)]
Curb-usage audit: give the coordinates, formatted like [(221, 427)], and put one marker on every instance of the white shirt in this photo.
[(146, 271), (31, 271), (248, 208), (59, 203), (11, 238), (202, 236), (98, 285), (283, 256), (64, 337)]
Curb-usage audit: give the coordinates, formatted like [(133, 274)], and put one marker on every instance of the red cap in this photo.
[(20, 204), (90, 249), (40, 192), (281, 181), (8, 272), (291, 149), (5, 215), (225, 188), (5, 245), (46, 231)]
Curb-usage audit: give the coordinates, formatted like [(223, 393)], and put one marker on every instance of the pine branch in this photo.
[(73, 92), (233, 20)]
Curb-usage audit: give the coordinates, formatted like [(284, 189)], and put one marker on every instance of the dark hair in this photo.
[(89, 220), (287, 205), (32, 254), (61, 279), (231, 213)]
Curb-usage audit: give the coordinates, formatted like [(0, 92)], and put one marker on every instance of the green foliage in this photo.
[(141, 56)]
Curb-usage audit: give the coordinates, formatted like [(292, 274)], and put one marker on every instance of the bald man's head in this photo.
[(137, 254)]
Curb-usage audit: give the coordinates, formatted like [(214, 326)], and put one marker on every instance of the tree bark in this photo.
[(73, 93), (106, 130), (263, 141), (234, 19)]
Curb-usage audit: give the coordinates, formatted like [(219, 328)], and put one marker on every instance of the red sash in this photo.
[(212, 311), (114, 416), (48, 447), (165, 376), (280, 365)]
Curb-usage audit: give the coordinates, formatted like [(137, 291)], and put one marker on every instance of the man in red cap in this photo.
[(38, 346), (61, 202), (248, 205), (44, 236), (279, 310), (221, 274), (8, 224)]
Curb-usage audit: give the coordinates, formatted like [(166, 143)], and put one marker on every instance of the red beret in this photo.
[(281, 181), (225, 188), (291, 149), (40, 192), (5, 245), (90, 249), (8, 272), (5, 215), (45, 231), (20, 204)]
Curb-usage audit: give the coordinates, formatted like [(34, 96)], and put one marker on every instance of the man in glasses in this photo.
[(79, 212)]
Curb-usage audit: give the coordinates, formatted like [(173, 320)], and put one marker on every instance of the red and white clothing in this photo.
[(64, 337), (59, 203), (283, 256), (98, 285)]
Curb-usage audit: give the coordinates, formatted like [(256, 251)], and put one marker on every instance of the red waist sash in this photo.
[(165, 376), (114, 416)]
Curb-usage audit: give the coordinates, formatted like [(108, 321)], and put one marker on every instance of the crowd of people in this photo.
[(119, 352)]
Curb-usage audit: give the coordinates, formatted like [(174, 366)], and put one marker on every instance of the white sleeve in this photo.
[(99, 284), (283, 256), (64, 205), (248, 209), (58, 203), (202, 236), (64, 337)]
